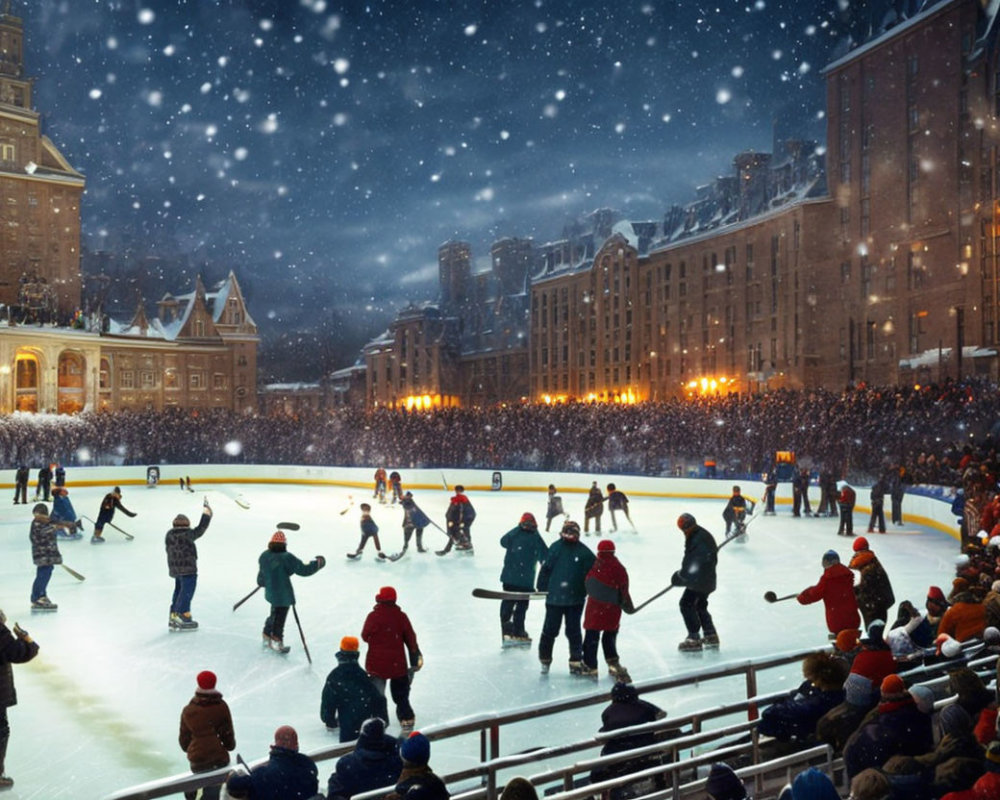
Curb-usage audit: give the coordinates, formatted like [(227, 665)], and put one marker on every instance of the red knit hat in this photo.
[(527, 518), (278, 537), (861, 543), (936, 595), (286, 737), (349, 644), (892, 687), (846, 640), (605, 546), (206, 680), (386, 595)]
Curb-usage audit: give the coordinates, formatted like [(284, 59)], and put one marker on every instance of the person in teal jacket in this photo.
[(563, 576), (276, 566), (525, 550)]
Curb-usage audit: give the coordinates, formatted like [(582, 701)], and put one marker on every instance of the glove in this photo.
[(21, 633), (420, 663), (676, 580), (321, 561)]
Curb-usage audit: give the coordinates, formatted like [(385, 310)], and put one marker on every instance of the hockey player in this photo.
[(60, 475), (44, 482), (697, 576), (182, 563), (525, 549), (64, 514), (593, 509), (878, 507), (459, 516), (563, 576), (276, 566), (396, 486), (736, 510), (369, 530), (617, 501), (836, 589), (391, 642), (379, 493), (112, 501), (554, 508), (800, 493), (45, 555), (607, 596), (770, 488), (414, 521), (21, 477)]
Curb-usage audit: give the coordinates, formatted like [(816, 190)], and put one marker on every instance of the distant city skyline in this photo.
[(327, 151)]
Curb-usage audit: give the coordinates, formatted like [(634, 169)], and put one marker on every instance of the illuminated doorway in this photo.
[(71, 393), (26, 382)]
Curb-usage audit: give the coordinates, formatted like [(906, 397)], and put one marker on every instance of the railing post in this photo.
[(751, 692)]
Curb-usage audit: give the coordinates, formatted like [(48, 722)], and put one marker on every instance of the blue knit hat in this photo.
[(416, 749), (812, 784)]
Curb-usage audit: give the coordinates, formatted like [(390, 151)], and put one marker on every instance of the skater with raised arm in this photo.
[(182, 563), (276, 567), (112, 502), (525, 550)]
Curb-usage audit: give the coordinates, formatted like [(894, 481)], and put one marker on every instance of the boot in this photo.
[(420, 542), (187, 624), (545, 666), (690, 645), (278, 646), (710, 640), (618, 672), (175, 621), (576, 668)]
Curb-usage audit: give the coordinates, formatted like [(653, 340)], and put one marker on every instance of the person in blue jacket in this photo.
[(287, 774), (414, 521), (525, 549), (375, 763), (64, 515), (349, 696), (563, 575)]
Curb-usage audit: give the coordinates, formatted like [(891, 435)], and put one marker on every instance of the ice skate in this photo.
[(6, 782), (581, 669), (96, 539), (545, 667), (690, 645), (175, 621), (711, 640), (278, 646), (618, 672), (187, 624), (354, 556), (406, 726), (43, 604)]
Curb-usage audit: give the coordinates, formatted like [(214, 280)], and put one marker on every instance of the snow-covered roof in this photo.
[(936, 355)]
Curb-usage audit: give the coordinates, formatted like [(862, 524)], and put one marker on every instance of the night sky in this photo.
[(327, 149)]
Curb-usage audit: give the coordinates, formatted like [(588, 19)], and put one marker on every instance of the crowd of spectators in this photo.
[(859, 432)]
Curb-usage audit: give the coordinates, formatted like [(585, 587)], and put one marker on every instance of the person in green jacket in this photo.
[(276, 566), (563, 576), (525, 550)]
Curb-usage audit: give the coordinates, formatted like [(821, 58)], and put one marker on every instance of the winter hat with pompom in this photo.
[(605, 546), (861, 543), (416, 749), (386, 594)]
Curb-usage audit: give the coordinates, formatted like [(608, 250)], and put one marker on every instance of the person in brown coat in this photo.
[(874, 592), (965, 619), (206, 733)]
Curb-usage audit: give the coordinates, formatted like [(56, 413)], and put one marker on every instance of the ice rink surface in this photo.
[(98, 709)]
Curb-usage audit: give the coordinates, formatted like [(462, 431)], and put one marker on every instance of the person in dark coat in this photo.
[(697, 576), (593, 509), (414, 521), (369, 530), (16, 647), (795, 716), (724, 784), (607, 596), (898, 482), (182, 563), (553, 508), (955, 763), (373, 764), (877, 497), (349, 696), (836, 589), (525, 550), (800, 493), (21, 477), (43, 487), (459, 518), (416, 780), (896, 727), (563, 576), (396, 486), (845, 502), (287, 774), (275, 569), (874, 592), (738, 505), (393, 653), (45, 555), (112, 502), (206, 732), (626, 710), (618, 501), (60, 475)]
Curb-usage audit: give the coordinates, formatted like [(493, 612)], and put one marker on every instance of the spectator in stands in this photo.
[(722, 784), (991, 603), (895, 727), (349, 695), (965, 619), (955, 763), (627, 709), (373, 764), (810, 784), (417, 781), (287, 774), (519, 789), (794, 718), (988, 786), (971, 692)]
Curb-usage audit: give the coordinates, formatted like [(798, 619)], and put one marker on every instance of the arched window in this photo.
[(26, 382), (71, 391)]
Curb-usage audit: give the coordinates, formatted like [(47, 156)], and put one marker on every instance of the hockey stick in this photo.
[(444, 482), (350, 504), (241, 602), (73, 572), (671, 586), (288, 526), (302, 636), (126, 534), (771, 597)]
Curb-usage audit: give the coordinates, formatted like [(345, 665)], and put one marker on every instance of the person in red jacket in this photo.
[(988, 786), (607, 594), (965, 618), (836, 590), (390, 638)]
